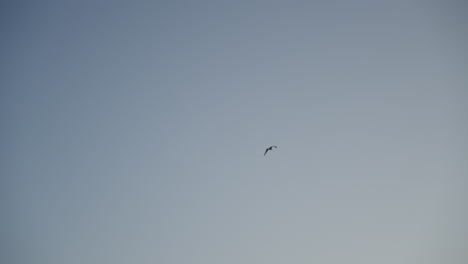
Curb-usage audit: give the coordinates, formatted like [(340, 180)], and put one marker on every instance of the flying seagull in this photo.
[(270, 148)]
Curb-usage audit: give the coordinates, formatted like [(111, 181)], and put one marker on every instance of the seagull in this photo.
[(270, 148)]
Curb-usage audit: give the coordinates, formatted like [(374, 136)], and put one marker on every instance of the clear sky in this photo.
[(134, 132)]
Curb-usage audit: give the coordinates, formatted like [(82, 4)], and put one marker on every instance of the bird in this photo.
[(270, 148)]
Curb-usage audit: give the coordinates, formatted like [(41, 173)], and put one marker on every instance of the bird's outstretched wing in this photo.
[(265, 152), (275, 146)]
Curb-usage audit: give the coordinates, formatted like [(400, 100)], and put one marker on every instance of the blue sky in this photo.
[(134, 131)]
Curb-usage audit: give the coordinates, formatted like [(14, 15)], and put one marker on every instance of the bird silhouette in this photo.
[(270, 148)]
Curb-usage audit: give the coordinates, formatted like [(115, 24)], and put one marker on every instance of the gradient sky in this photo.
[(134, 132)]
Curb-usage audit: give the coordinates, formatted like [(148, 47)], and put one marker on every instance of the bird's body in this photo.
[(270, 148)]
